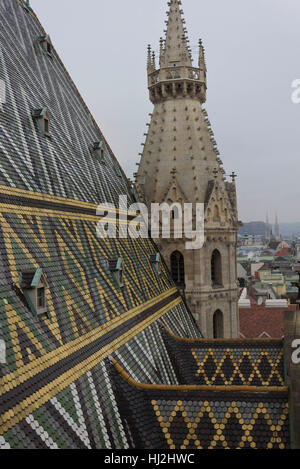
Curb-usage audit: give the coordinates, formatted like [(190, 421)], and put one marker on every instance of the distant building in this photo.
[(242, 275), (261, 317), (263, 322)]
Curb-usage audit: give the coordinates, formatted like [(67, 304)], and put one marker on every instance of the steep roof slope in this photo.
[(64, 355), (63, 165), (54, 365)]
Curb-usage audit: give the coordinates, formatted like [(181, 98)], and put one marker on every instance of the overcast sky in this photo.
[(253, 56)]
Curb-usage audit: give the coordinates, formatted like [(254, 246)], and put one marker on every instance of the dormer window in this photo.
[(41, 297), (35, 287), (46, 45), (26, 5), (98, 150), (117, 171), (115, 266), (46, 126), (155, 260), (41, 116)]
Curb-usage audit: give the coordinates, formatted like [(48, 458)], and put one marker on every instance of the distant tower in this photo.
[(268, 229), (180, 163), (277, 229)]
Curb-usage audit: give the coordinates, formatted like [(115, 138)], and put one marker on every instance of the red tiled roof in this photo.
[(284, 252), (259, 321)]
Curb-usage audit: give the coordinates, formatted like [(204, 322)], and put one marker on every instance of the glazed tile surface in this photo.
[(59, 386)]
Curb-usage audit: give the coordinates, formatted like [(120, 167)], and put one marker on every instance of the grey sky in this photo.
[(252, 52)]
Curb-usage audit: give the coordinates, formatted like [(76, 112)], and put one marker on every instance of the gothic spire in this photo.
[(175, 75), (268, 228), (202, 62), (176, 46), (277, 228), (149, 60)]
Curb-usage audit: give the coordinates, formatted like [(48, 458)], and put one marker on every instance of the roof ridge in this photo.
[(219, 341), (180, 388)]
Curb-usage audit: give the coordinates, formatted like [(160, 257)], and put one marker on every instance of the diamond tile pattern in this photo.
[(197, 419), (227, 363)]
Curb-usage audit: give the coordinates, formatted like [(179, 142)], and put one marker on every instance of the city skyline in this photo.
[(254, 121)]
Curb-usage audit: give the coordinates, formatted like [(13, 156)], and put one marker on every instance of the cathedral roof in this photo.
[(55, 389), (78, 313), (64, 164)]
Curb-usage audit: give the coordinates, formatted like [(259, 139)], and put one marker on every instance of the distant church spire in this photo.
[(277, 229), (268, 228)]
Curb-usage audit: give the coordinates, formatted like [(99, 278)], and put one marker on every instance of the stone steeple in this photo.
[(176, 75), (176, 50), (180, 162)]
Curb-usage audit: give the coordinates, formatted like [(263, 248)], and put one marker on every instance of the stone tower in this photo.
[(180, 163)]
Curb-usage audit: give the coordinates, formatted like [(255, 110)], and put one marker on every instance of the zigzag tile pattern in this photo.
[(225, 362), (82, 292), (187, 418)]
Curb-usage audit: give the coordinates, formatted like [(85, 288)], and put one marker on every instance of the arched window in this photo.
[(216, 269), (176, 210), (177, 268), (218, 325), (175, 213)]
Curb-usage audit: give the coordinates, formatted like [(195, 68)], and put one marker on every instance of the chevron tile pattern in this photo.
[(245, 367), (202, 417), (223, 424), (226, 362)]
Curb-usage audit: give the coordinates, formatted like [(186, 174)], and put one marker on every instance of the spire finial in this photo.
[(161, 51), (233, 176), (149, 59), (202, 62), (153, 61)]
